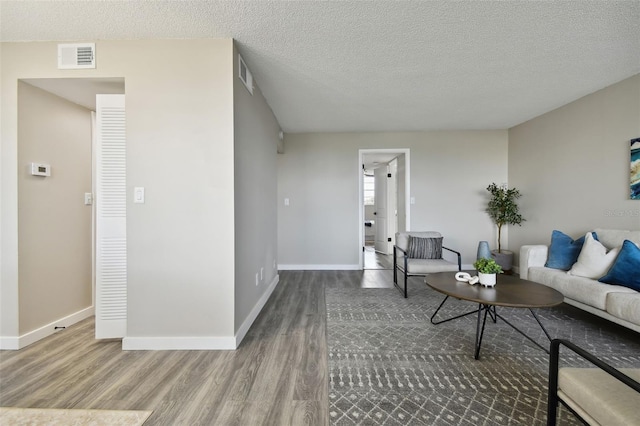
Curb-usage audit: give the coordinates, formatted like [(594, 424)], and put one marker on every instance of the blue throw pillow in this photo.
[(564, 250), (626, 269)]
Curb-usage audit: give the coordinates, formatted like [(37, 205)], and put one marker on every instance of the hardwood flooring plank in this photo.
[(278, 375), (312, 366), (308, 413)]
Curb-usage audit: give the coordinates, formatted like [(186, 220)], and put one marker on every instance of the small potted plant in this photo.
[(487, 270), (503, 210)]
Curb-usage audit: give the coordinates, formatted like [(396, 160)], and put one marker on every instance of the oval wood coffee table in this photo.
[(510, 291)]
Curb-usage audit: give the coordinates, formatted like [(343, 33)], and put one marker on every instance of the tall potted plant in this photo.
[(503, 210)]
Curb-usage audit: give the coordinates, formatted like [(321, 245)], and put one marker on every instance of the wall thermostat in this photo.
[(40, 169)]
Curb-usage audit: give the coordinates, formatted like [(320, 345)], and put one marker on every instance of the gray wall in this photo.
[(572, 166), (319, 174), (256, 140), (180, 148), (55, 226)]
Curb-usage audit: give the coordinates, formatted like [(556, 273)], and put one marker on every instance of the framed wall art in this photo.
[(635, 169)]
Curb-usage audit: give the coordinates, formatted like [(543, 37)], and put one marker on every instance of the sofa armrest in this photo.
[(530, 256)]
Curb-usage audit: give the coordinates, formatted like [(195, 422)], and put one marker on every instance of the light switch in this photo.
[(88, 198), (138, 194), (412, 200), (286, 201)]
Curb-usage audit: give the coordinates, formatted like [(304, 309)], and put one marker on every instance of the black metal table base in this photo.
[(482, 312)]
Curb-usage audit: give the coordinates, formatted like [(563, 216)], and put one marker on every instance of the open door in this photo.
[(383, 243), (111, 218)]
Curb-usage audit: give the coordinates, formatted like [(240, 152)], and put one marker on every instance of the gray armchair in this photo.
[(420, 257), (597, 396)]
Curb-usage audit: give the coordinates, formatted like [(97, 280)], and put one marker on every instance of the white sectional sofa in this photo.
[(612, 302)]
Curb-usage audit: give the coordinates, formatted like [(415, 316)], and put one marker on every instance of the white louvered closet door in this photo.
[(111, 218)]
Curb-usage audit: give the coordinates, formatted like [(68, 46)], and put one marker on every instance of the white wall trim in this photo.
[(15, 343), (341, 267), (9, 343), (178, 343), (246, 324)]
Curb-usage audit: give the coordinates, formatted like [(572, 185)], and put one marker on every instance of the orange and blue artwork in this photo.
[(635, 169)]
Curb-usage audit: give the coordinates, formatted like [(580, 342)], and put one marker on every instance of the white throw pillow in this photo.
[(594, 261)]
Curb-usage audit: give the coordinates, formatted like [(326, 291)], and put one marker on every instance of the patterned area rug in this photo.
[(51, 417), (389, 365)]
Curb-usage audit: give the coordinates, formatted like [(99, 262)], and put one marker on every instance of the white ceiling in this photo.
[(81, 91), (384, 65)]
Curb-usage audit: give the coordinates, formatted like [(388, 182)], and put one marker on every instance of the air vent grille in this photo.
[(76, 56), (85, 55)]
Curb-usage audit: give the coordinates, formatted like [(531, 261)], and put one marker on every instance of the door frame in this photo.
[(407, 190)]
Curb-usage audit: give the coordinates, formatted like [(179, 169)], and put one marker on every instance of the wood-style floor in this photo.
[(278, 376), (375, 260)]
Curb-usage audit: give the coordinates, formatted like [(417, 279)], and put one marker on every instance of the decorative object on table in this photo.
[(503, 210), (487, 271), (635, 169), (483, 250), (467, 278)]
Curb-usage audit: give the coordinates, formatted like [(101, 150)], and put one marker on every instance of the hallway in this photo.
[(374, 260)]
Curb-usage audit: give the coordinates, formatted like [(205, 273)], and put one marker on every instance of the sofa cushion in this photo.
[(625, 306), (584, 290), (543, 275), (563, 251), (612, 238), (425, 248), (586, 388), (625, 270), (593, 261)]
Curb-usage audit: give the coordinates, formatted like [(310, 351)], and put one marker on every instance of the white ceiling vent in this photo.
[(245, 74), (76, 56)]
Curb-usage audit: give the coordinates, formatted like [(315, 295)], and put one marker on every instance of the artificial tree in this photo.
[(503, 209)]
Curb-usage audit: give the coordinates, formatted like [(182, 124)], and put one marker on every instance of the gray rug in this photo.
[(389, 365)]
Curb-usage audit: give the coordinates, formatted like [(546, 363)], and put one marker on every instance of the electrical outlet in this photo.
[(257, 278)]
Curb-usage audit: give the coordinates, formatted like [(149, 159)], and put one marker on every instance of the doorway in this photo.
[(63, 107), (383, 206)]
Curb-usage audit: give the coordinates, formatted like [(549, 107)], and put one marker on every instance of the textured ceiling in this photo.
[(380, 66)]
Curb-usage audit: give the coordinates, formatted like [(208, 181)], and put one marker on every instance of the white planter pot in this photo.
[(488, 280)]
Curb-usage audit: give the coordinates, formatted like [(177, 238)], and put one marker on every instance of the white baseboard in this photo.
[(341, 267), (15, 343), (246, 324), (178, 343), (200, 343), (9, 343)]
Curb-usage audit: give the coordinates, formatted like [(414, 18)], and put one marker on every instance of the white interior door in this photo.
[(392, 202), (111, 218), (382, 243)]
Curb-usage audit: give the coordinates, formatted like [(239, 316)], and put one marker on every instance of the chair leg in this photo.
[(552, 396), (405, 284), (395, 266)]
